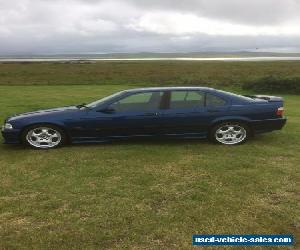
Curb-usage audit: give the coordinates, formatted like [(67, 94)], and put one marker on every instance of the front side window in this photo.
[(212, 100), (138, 102), (186, 99)]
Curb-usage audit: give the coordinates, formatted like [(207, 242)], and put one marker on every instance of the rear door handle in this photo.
[(212, 110)]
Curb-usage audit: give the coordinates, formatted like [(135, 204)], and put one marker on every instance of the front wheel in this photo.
[(230, 133), (43, 136)]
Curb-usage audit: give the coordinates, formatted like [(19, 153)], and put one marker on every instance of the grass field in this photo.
[(144, 73), (141, 194)]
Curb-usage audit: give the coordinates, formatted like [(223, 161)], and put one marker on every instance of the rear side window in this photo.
[(212, 100), (186, 99)]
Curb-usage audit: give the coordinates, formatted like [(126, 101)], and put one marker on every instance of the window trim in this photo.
[(165, 100)]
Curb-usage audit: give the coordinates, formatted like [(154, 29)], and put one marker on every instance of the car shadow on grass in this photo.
[(12, 147), (267, 138), (260, 139), (150, 142)]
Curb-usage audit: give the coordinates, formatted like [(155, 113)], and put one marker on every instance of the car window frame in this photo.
[(165, 99)]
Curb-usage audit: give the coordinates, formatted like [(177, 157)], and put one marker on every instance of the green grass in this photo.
[(145, 72), (143, 194)]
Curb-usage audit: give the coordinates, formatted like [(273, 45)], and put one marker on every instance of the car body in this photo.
[(185, 112)]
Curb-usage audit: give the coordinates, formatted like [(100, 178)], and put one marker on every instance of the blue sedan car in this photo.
[(186, 112)]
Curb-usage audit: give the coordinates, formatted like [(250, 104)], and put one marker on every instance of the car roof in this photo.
[(167, 88)]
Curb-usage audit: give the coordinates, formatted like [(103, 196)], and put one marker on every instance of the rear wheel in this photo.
[(230, 133), (43, 136)]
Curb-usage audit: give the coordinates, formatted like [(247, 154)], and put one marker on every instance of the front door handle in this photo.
[(213, 110), (151, 114)]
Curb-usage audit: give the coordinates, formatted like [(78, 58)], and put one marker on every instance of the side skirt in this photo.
[(113, 138)]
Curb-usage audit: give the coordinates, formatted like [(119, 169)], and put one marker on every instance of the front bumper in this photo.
[(11, 136), (268, 125)]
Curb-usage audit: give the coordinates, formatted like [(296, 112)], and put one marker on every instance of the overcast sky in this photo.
[(103, 26)]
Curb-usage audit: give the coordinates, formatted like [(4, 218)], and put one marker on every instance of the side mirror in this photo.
[(107, 110)]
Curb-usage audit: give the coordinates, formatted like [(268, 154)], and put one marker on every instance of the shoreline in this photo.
[(231, 59)]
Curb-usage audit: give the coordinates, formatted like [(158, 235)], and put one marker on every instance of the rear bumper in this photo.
[(11, 136), (268, 125)]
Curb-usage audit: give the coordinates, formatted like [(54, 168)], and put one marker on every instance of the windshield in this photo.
[(101, 101)]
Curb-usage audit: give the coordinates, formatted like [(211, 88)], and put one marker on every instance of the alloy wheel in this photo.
[(230, 134), (44, 137)]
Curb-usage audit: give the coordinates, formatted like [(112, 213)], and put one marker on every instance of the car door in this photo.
[(190, 112), (136, 114)]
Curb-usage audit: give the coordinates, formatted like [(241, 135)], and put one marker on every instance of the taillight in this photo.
[(280, 111)]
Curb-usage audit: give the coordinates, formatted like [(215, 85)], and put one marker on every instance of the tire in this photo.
[(43, 136), (230, 133)]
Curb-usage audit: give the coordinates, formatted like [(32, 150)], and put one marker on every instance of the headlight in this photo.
[(7, 126)]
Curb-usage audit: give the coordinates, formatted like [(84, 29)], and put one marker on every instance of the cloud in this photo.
[(80, 26), (179, 24), (259, 12)]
